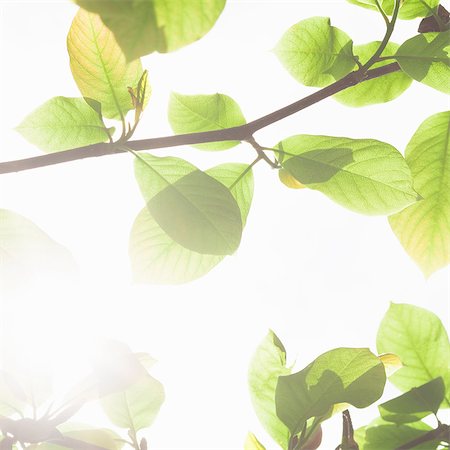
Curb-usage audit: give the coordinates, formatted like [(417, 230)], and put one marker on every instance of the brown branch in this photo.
[(442, 432), (241, 133)]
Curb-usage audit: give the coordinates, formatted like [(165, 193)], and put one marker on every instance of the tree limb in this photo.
[(241, 133)]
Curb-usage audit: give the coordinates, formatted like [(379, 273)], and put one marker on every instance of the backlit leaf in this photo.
[(381, 435), (26, 251), (415, 404), (99, 66), (63, 123), (379, 90), (195, 113), (424, 227), (267, 365), (251, 443), (144, 26), (425, 58), (418, 337), (409, 9), (364, 175), (194, 209), (157, 258), (316, 53), (137, 406), (343, 375)]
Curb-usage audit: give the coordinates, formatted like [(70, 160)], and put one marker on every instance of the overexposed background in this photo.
[(318, 275)]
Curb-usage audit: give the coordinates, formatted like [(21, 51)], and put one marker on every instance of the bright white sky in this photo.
[(318, 275)]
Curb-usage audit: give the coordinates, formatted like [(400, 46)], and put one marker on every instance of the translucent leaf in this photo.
[(342, 375), (379, 90), (145, 26), (424, 227), (391, 363), (99, 66), (381, 435), (316, 53), (266, 366), (63, 123), (425, 58), (26, 251), (415, 404), (195, 113), (418, 337), (288, 180), (82, 434), (387, 5), (136, 407), (364, 175), (194, 209), (157, 258), (409, 9), (251, 443)]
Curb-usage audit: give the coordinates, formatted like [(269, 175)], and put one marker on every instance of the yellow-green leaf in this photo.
[(424, 227), (99, 66)]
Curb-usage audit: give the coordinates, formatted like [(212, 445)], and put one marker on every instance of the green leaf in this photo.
[(194, 209), (418, 337), (342, 375), (63, 123), (380, 435), (409, 9), (415, 404), (251, 443), (364, 175), (136, 407), (98, 65), (26, 251), (387, 5), (316, 53), (144, 26), (378, 90), (266, 366), (424, 228), (425, 58), (195, 113), (102, 437), (157, 258)]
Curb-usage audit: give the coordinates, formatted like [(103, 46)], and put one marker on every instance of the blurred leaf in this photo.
[(63, 123), (251, 443), (379, 90), (415, 404), (142, 27), (80, 436), (316, 53), (364, 175), (425, 58), (424, 227), (98, 65), (26, 251), (196, 113), (194, 209), (418, 337), (350, 375), (116, 367), (136, 407), (157, 258), (381, 435), (267, 365)]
